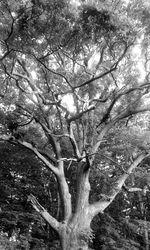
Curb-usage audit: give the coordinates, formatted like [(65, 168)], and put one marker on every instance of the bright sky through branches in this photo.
[(68, 102)]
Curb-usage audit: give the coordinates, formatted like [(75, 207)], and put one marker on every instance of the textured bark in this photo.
[(65, 197), (75, 235)]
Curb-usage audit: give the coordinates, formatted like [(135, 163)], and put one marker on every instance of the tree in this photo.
[(49, 54)]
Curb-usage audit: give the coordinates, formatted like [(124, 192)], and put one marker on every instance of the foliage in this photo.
[(20, 176), (112, 234)]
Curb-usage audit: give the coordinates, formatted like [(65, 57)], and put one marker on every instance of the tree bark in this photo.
[(76, 234)]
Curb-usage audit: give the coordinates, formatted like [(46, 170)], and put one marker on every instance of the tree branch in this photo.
[(73, 142), (6, 54), (28, 145), (99, 140), (97, 77), (51, 138), (78, 116), (59, 172), (40, 156), (45, 154), (115, 99), (113, 68), (54, 72), (51, 220), (64, 192), (124, 114), (101, 205), (128, 112)]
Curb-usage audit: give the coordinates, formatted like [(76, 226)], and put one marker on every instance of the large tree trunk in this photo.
[(74, 229), (73, 240), (77, 233)]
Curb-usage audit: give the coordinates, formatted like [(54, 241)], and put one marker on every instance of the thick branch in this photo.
[(99, 140), (64, 192), (45, 154), (40, 156), (59, 172), (113, 68), (96, 77), (128, 112), (83, 187), (124, 114), (51, 220), (74, 143), (100, 206)]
